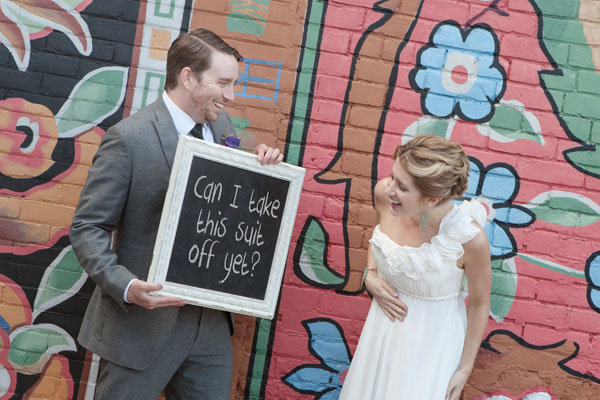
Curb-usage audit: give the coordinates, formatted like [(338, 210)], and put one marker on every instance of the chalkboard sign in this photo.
[(225, 228)]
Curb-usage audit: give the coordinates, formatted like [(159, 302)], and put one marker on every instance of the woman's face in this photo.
[(404, 197)]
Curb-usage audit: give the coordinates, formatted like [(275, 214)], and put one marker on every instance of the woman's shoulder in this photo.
[(465, 221), (478, 242)]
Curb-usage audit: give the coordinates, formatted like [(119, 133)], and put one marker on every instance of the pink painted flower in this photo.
[(28, 135)]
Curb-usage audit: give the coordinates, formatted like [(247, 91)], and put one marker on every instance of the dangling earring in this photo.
[(424, 219)]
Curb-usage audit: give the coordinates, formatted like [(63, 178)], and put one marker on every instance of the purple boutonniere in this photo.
[(231, 141)]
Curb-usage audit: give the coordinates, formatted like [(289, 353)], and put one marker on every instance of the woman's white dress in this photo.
[(414, 359)]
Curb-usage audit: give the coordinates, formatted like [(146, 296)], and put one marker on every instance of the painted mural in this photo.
[(502, 79), (62, 85), (337, 84)]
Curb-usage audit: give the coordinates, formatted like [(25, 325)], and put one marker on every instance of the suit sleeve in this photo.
[(97, 215)]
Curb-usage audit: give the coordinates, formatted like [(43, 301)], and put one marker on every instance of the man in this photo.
[(150, 343)]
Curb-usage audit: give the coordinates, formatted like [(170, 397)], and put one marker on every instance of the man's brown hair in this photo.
[(194, 50)]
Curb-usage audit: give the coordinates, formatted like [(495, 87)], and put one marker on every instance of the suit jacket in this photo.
[(125, 190)]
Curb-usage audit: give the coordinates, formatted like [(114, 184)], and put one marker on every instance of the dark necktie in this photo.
[(197, 131)]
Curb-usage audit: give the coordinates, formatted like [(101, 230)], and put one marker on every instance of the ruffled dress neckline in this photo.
[(442, 222), (455, 229)]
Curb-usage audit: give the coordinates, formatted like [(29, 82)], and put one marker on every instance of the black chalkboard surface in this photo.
[(225, 228)]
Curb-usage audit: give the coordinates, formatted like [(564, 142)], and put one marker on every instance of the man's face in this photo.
[(209, 92)]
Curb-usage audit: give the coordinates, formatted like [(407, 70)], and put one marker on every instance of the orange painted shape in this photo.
[(55, 383), (41, 223), (517, 366), (14, 306), (589, 14), (160, 40), (8, 371)]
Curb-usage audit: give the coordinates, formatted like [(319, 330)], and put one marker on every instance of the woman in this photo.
[(419, 342)]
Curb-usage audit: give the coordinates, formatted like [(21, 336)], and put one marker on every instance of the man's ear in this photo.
[(185, 77)]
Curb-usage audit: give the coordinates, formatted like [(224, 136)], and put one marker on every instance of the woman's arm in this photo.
[(479, 277), (382, 291)]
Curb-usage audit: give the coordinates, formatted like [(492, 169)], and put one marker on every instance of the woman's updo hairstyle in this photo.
[(439, 167)]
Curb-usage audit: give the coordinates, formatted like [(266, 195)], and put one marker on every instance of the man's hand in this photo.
[(138, 294), (268, 155)]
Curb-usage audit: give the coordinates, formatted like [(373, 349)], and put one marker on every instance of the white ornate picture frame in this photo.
[(204, 219)]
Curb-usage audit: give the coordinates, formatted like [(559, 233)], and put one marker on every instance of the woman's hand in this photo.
[(456, 385), (386, 297)]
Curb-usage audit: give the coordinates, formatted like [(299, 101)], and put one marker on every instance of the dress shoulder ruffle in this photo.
[(455, 229)]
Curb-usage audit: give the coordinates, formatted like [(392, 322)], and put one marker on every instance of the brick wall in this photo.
[(341, 83)]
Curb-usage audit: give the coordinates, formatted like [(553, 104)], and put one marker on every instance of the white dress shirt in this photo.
[(183, 122)]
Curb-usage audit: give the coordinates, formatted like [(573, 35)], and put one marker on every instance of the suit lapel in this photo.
[(217, 130), (168, 136), (221, 127), (166, 131)]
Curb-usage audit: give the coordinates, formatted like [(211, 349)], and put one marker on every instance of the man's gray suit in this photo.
[(125, 191)]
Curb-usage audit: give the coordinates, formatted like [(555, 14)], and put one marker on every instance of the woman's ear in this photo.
[(433, 201)]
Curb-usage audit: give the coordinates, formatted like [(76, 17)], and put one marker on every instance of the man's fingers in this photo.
[(150, 287), (269, 155), (152, 302), (160, 301), (143, 286), (139, 293)]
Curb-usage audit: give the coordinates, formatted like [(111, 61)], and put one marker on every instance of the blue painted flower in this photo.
[(592, 275), (326, 342), (496, 186), (458, 72)]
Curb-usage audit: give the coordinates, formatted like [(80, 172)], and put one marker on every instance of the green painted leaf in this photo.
[(441, 127), (251, 23), (61, 280), (504, 287), (74, 3), (240, 123), (552, 266), (98, 95), (575, 88), (29, 343), (565, 208), (15, 13), (565, 40), (586, 160), (313, 263), (513, 124), (436, 127)]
